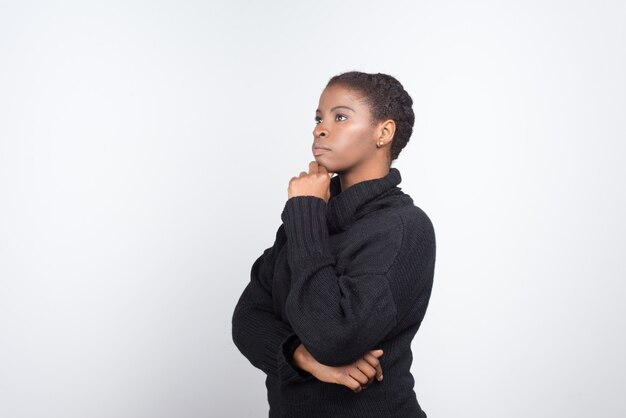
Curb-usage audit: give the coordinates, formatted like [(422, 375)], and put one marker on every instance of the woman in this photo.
[(332, 307)]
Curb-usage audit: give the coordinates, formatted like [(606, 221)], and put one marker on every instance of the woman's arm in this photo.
[(272, 346), (340, 317), (266, 341)]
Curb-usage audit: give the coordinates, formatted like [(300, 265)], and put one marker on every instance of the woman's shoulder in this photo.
[(385, 237), (398, 213), (414, 217)]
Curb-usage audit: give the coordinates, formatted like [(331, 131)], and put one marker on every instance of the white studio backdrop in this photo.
[(145, 152)]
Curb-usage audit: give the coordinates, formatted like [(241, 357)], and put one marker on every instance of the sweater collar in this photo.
[(344, 207)]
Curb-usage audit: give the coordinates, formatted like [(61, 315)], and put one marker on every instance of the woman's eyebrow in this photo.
[(337, 107)]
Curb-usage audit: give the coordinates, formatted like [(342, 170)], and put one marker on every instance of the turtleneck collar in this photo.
[(344, 207)]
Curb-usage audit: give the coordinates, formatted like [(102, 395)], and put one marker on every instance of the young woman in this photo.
[(332, 307)]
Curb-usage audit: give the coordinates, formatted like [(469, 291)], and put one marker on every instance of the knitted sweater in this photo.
[(343, 277)]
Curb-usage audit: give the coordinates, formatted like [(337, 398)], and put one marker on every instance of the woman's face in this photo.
[(343, 126)]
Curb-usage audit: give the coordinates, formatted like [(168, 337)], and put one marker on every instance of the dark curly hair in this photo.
[(386, 98)]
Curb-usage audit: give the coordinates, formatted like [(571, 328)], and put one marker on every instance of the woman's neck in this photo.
[(356, 175)]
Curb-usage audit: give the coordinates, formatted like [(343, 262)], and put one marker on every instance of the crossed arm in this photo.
[(272, 346)]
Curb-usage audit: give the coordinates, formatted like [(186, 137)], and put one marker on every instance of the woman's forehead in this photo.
[(336, 95)]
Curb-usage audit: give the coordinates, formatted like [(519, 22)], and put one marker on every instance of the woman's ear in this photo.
[(387, 130)]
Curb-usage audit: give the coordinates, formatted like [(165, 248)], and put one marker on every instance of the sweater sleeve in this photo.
[(265, 340), (340, 317)]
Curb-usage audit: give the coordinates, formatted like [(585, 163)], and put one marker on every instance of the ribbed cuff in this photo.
[(304, 218), (287, 372)]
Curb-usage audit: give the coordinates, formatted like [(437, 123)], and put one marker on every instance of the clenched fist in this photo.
[(314, 183)]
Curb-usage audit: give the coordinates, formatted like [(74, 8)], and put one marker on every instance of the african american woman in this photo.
[(332, 307)]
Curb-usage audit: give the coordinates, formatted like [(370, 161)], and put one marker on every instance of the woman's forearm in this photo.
[(304, 360)]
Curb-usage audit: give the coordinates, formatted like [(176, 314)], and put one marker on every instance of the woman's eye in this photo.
[(318, 119), (341, 116)]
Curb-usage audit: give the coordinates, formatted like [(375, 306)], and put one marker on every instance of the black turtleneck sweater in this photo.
[(344, 277)]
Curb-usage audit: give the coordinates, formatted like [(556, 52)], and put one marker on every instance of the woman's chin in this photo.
[(328, 167)]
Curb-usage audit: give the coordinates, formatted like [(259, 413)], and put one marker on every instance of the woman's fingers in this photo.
[(367, 370), (359, 374), (315, 167), (373, 361), (344, 377), (323, 170), (359, 377)]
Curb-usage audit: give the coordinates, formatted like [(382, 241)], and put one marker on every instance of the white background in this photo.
[(145, 152)]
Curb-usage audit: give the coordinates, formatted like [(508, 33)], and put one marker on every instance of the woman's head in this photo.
[(362, 117)]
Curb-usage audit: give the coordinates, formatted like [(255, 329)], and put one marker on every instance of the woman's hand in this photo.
[(356, 376), (314, 183)]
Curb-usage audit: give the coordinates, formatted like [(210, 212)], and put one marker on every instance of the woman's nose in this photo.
[(320, 132)]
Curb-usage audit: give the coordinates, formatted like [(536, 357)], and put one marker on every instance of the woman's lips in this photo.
[(319, 151)]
